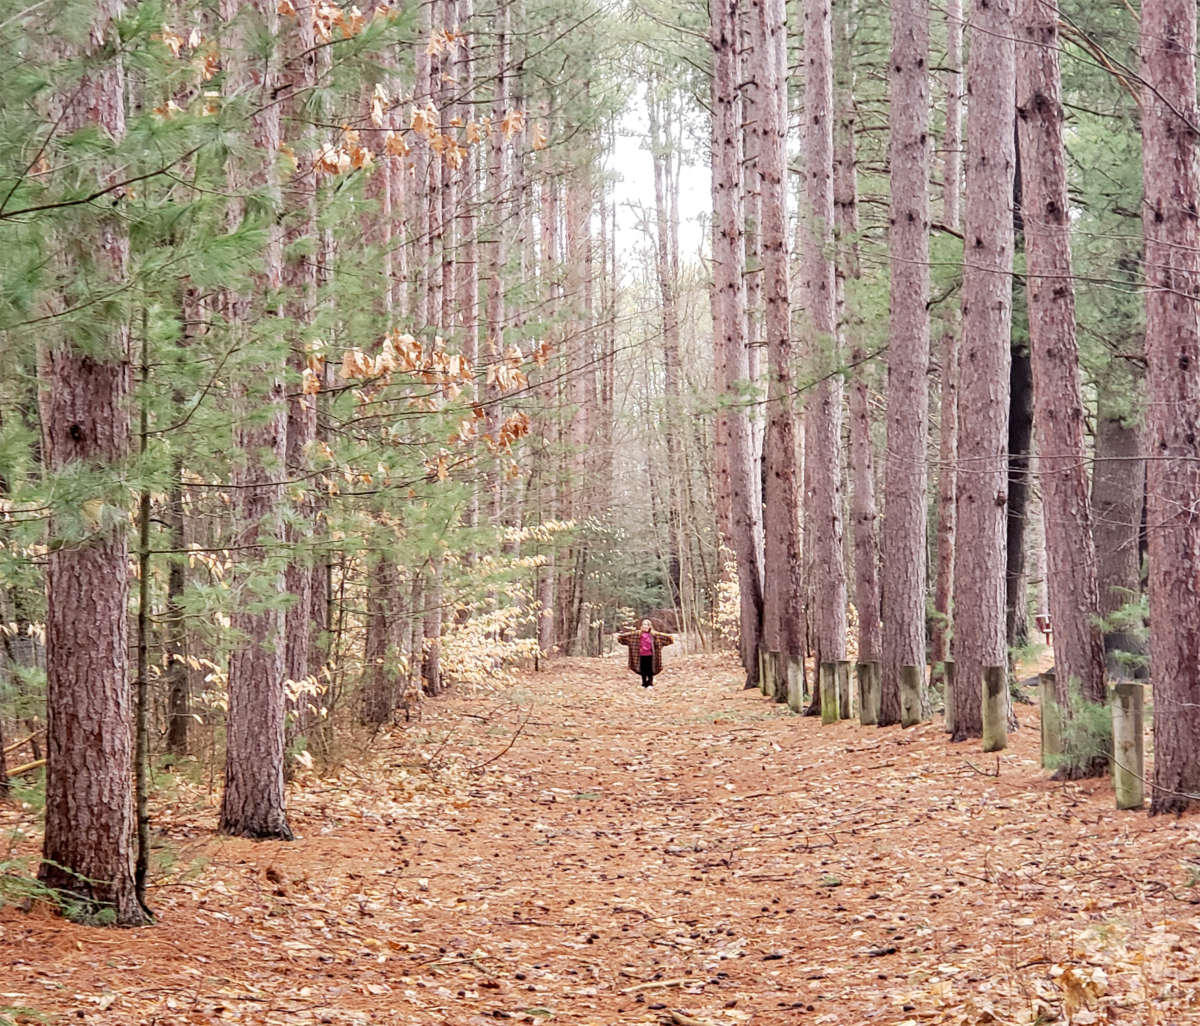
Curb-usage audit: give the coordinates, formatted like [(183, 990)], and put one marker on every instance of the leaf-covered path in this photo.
[(581, 851)]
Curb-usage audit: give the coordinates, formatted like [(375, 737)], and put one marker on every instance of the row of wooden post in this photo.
[(783, 679)]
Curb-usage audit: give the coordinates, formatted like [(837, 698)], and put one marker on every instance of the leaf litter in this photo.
[(580, 850)]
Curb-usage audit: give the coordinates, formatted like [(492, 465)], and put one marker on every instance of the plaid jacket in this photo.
[(631, 640)]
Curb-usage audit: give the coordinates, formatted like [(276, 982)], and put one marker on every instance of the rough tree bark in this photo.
[(1058, 400), (383, 646), (252, 804), (948, 399), (550, 267), (823, 418), (664, 156), (86, 849), (729, 325), (1172, 262), (1020, 439), (984, 362), (300, 278), (864, 514), (1118, 495), (782, 591), (905, 474)]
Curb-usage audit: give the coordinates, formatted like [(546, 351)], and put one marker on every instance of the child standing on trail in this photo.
[(645, 650)]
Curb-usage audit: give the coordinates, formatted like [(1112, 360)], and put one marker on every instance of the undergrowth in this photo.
[(1087, 737)]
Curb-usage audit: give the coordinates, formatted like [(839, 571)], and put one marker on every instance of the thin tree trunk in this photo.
[(431, 663), (979, 639), (252, 804), (1172, 255), (664, 154), (863, 510), (1058, 400), (141, 720), (729, 322), (948, 435), (823, 419), (300, 278), (782, 591), (1118, 494), (381, 655), (179, 697), (1020, 438), (495, 253), (905, 474)]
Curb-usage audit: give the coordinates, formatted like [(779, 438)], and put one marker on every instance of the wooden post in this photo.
[(948, 702), (780, 677), (766, 672), (910, 695), (868, 693), (843, 683), (995, 708), (795, 683), (1128, 764), (829, 693), (1052, 742)]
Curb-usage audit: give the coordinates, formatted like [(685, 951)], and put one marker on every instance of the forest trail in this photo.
[(689, 854)]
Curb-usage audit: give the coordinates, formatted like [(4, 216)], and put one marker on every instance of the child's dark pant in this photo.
[(646, 669)]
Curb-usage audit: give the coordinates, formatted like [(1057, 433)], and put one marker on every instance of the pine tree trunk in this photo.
[(905, 475), (664, 155), (782, 591), (754, 126), (381, 655), (431, 664), (1020, 438), (178, 677), (494, 253), (5, 786), (864, 514), (300, 278), (252, 804), (547, 389), (979, 639), (729, 325), (1172, 262), (1118, 494), (823, 418), (1058, 401), (948, 399), (87, 852)]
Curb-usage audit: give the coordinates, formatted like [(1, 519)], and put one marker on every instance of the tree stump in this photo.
[(827, 680), (1128, 768), (1052, 742), (995, 708), (910, 695), (843, 685), (868, 693)]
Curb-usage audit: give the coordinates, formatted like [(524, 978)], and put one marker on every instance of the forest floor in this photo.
[(579, 850)]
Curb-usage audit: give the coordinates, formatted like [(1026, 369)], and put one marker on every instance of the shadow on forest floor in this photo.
[(690, 854)]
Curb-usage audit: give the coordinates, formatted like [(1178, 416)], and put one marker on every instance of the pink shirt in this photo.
[(647, 644)]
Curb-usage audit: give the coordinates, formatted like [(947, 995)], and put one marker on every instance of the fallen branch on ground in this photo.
[(655, 984), (24, 741), (985, 773), (683, 1019), (16, 771), (505, 750)]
